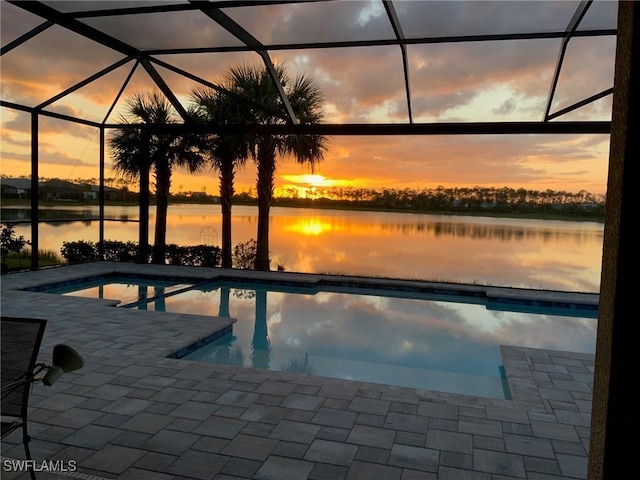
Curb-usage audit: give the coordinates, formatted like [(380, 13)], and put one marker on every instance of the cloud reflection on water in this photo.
[(423, 334), (372, 338)]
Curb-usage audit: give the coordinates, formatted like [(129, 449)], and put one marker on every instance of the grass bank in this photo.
[(22, 261)]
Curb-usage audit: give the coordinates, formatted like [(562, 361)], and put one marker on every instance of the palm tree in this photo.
[(256, 85), (165, 150), (226, 153)]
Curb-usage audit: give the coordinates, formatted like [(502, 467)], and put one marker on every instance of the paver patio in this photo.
[(133, 413)]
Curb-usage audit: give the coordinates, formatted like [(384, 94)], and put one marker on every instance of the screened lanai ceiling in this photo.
[(390, 67)]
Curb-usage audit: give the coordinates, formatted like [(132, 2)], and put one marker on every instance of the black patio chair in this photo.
[(21, 339)]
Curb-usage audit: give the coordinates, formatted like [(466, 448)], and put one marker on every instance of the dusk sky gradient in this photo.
[(452, 82)]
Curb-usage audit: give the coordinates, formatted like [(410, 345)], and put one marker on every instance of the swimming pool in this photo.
[(434, 342)]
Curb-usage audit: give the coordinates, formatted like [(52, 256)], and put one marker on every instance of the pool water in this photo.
[(449, 346), (124, 289)]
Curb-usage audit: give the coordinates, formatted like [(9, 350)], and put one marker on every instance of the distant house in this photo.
[(110, 193), (590, 205), (203, 197), (198, 195), (9, 191), (56, 189), (91, 193), (15, 187)]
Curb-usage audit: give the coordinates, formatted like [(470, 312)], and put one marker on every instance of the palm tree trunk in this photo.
[(143, 227), (163, 186), (226, 198), (266, 172)]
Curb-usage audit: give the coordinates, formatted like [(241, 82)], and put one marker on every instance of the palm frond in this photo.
[(127, 145)]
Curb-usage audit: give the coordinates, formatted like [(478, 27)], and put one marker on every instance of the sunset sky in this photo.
[(451, 82)]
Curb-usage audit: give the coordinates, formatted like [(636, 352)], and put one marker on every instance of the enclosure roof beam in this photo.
[(59, 116), (181, 7), (83, 83), (215, 87), (397, 29), (578, 15), (26, 36), (245, 37), (386, 42), (164, 88), (463, 128), (70, 23), (120, 92), (581, 103)]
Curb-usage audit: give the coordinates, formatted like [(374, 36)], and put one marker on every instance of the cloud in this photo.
[(587, 70), (15, 22), (8, 139), (51, 126), (46, 157), (355, 81), (444, 18), (469, 160), (417, 333), (507, 106), (315, 22), (61, 57)]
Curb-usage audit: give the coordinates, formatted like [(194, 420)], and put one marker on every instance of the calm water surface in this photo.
[(550, 254)]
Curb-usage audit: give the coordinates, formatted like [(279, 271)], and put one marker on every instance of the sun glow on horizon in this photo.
[(307, 185), (314, 180)]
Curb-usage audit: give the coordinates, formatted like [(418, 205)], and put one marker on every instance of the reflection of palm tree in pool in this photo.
[(222, 353), (159, 304), (260, 350), (303, 365), (224, 302), (225, 355), (142, 296)]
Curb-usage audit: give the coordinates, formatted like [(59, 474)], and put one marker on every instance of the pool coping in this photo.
[(474, 293)]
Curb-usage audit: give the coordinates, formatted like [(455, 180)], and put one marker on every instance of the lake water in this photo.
[(550, 254)]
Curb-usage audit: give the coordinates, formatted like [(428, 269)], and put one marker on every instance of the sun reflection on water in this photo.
[(310, 226)]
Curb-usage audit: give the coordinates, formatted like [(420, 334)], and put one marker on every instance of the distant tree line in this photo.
[(439, 199), (456, 199)]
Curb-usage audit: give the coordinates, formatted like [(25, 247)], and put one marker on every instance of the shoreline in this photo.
[(11, 203)]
